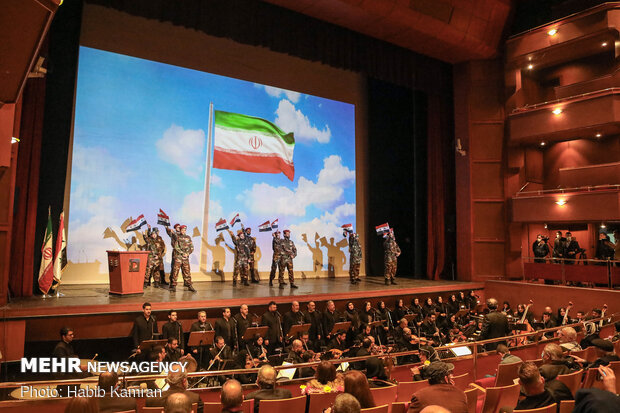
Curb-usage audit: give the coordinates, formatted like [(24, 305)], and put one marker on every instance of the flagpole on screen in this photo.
[(205, 207)]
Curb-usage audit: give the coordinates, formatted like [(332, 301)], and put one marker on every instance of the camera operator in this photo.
[(559, 244), (540, 248)]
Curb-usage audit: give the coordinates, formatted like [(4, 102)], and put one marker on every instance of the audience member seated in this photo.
[(507, 358), (82, 405), (434, 409), (345, 403), (554, 362), (326, 380), (356, 384), (604, 352), (108, 403), (266, 381), (533, 384), (568, 339), (375, 372), (178, 403), (596, 400), (177, 380), (440, 392), (231, 396)]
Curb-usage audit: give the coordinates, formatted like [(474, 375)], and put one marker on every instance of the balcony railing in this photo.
[(565, 270)]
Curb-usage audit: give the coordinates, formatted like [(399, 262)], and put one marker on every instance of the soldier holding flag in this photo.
[(355, 258), (242, 256), (155, 257), (275, 260), (251, 244), (392, 251)]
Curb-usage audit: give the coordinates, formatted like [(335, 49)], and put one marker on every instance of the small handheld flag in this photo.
[(383, 228), (235, 220), (274, 224), (347, 229), (136, 224), (163, 219), (221, 225), (264, 227)]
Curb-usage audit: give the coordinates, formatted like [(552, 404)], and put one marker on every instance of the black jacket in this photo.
[(274, 333), (494, 325), (291, 319), (173, 330), (143, 329), (227, 330)]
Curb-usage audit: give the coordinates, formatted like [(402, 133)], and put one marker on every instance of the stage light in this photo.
[(545, 226), (552, 32), (543, 143), (561, 202), (603, 226), (530, 66), (556, 111), (14, 139), (604, 44), (598, 135)]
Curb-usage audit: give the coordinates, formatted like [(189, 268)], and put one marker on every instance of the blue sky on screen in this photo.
[(140, 144)]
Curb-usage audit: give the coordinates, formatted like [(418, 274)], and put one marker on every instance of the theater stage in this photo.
[(95, 298), (94, 314)]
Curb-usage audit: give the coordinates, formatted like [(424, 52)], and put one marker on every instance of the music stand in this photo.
[(147, 345), (461, 312), (298, 329), (340, 326), (410, 317), (200, 339), (250, 332)]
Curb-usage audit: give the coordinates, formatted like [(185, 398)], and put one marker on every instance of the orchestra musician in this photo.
[(173, 328), (144, 327), (201, 353), (330, 317), (272, 319), (291, 318), (313, 317), (242, 322)]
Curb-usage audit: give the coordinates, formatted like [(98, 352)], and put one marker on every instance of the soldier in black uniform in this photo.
[(273, 320), (173, 328), (144, 326), (225, 327), (540, 249)]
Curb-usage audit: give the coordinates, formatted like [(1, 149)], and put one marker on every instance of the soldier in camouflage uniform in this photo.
[(154, 259), (183, 247), (277, 253), (288, 251), (392, 251), (242, 256), (173, 238), (161, 245), (251, 243), (355, 258)]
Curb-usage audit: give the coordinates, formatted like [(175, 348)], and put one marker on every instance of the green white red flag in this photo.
[(46, 271), (60, 260), (247, 143)]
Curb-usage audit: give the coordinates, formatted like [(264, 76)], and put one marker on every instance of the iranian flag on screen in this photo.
[(246, 143)]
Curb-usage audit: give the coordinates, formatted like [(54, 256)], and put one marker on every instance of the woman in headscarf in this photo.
[(375, 372), (352, 315)]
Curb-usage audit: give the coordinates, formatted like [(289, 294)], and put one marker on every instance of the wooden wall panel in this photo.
[(488, 142), (12, 338), (488, 259), (489, 220), (488, 180)]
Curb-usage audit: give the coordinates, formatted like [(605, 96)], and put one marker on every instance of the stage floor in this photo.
[(82, 298)]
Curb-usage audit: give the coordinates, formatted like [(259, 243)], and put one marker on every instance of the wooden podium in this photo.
[(126, 270)]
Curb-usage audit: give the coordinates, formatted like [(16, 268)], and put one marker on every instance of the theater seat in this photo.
[(247, 406), (407, 388), (462, 382), (384, 395), (567, 406), (552, 408), (379, 409), (572, 380), (295, 404), (497, 397), (400, 407), (317, 402)]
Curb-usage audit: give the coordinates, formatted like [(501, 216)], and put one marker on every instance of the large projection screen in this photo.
[(140, 139)]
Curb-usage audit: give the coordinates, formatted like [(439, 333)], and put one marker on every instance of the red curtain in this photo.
[(436, 184), (27, 189)]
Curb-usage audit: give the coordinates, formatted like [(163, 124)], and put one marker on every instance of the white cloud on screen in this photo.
[(290, 119), (276, 92), (85, 238), (191, 210), (266, 200), (183, 148)]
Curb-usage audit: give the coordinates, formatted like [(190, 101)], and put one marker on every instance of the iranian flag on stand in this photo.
[(246, 143), (60, 260), (46, 271)]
